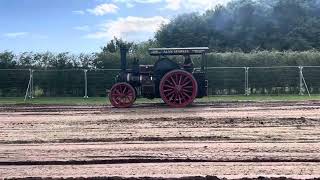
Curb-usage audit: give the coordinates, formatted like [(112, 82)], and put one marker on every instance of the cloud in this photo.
[(131, 3), (173, 4), (79, 12), (193, 5), (130, 28), (82, 28), (103, 9), (15, 34)]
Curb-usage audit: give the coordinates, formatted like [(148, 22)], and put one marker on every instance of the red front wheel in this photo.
[(122, 95), (178, 88)]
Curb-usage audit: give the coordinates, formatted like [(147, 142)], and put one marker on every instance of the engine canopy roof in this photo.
[(178, 51)]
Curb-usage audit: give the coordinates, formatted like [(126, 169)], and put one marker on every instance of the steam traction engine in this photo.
[(177, 84)]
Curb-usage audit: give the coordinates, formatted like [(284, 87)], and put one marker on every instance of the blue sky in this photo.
[(85, 25)]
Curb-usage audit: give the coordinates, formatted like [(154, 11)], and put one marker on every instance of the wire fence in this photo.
[(222, 81), (13, 82)]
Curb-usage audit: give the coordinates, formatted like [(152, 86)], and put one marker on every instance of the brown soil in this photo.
[(227, 140)]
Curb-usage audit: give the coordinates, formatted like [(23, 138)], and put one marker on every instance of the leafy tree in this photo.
[(185, 30), (26, 60), (115, 44), (87, 60), (247, 25), (7, 60)]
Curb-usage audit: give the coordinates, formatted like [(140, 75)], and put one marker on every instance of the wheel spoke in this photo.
[(173, 81), (186, 90), (184, 80), (170, 93), (180, 79), (124, 90), (124, 98), (121, 88), (117, 91), (172, 97), (175, 97), (116, 94), (168, 90), (167, 81), (117, 99), (188, 82), (182, 95), (176, 78), (185, 94), (172, 87), (180, 99)]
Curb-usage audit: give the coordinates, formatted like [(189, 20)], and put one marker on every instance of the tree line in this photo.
[(107, 58), (247, 25)]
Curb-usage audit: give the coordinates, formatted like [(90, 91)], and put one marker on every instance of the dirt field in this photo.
[(227, 140)]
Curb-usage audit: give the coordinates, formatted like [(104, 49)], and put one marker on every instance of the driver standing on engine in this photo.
[(188, 64)]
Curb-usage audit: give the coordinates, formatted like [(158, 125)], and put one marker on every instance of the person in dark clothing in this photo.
[(188, 64)]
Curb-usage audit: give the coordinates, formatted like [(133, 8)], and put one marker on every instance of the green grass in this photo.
[(104, 101)]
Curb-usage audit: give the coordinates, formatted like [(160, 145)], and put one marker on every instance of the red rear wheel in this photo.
[(122, 95), (178, 88)]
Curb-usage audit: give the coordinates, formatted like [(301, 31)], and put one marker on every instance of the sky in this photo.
[(86, 25)]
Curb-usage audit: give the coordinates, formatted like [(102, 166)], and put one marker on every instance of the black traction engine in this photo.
[(176, 84)]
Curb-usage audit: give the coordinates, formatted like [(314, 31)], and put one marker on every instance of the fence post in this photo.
[(85, 84), (28, 91), (31, 84), (301, 91), (246, 83)]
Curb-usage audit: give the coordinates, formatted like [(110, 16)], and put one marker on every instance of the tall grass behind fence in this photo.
[(264, 59), (226, 80), (13, 82), (100, 80), (274, 80), (312, 78), (58, 83)]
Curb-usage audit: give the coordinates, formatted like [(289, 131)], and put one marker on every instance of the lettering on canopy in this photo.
[(177, 51)]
